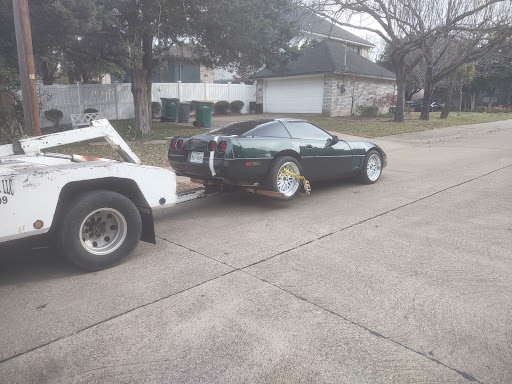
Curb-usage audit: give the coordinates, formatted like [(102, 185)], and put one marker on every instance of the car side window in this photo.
[(304, 130), (273, 129)]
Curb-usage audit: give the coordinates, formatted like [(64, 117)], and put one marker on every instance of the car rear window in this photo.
[(272, 129), (238, 129)]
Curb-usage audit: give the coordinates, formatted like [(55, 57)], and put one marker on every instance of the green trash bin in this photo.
[(169, 110), (204, 111)]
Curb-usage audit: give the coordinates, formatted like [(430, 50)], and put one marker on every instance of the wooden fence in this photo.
[(115, 101)]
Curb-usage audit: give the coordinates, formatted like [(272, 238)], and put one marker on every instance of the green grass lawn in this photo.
[(156, 153), (385, 127)]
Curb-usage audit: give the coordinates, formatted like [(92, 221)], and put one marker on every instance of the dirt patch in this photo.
[(185, 185)]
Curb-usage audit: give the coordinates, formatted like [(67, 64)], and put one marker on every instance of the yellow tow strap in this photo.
[(307, 186)]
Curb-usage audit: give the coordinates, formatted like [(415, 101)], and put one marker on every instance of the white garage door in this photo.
[(294, 95)]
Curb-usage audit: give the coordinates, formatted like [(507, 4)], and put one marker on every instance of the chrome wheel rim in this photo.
[(373, 167), (103, 231), (286, 183)]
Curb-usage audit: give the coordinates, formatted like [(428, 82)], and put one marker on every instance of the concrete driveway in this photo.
[(407, 280)]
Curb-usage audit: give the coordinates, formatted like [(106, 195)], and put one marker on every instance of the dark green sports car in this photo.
[(273, 155)]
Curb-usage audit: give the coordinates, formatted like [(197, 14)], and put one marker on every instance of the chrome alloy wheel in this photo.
[(103, 231), (374, 167), (286, 183)]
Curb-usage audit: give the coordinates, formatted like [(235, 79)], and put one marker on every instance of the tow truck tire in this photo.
[(100, 229)]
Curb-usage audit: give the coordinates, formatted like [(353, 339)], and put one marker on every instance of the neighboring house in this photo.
[(180, 65), (312, 27), (327, 78)]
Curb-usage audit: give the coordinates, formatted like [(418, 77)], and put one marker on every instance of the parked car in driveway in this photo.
[(416, 105), (412, 103), (273, 155)]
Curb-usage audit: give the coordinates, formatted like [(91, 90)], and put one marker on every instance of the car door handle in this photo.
[(309, 146)]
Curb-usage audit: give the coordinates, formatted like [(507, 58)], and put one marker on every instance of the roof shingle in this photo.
[(329, 57), (304, 20)]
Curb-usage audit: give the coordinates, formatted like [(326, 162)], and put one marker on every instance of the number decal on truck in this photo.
[(7, 187)]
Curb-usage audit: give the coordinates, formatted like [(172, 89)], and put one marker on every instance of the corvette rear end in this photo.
[(212, 159)]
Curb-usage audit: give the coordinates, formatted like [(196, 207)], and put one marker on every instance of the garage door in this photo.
[(294, 95)]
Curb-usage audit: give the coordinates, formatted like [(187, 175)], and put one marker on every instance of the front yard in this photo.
[(371, 128), (152, 149)]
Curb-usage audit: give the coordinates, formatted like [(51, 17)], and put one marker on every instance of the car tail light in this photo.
[(222, 146), (179, 144), (212, 145), (173, 144)]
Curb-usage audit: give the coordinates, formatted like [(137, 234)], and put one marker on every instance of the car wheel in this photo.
[(372, 167), (100, 230), (280, 181)]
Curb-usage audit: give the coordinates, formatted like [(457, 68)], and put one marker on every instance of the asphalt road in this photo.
[(405, 281)]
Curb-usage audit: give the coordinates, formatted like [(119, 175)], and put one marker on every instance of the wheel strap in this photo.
[(305, 183)]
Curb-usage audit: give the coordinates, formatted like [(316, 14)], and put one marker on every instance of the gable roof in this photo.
[(329, 57), (306, 21)]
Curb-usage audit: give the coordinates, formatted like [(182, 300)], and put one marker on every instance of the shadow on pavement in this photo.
[(28, 262)]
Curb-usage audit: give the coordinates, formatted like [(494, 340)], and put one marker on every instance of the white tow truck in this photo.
[(94, 210)]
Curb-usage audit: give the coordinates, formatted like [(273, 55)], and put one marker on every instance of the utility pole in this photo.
[(27, 69)]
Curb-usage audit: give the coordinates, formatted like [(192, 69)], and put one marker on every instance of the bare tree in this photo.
[(356, 88), (480, 34), (408, 26), (465, 75)]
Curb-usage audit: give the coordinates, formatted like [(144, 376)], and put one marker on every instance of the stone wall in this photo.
[(357, 89)]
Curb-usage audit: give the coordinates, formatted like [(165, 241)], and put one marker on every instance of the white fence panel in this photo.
[(125, 108), (190, 92), (115, 101), (99, 96), (168, 90), (61, 97)]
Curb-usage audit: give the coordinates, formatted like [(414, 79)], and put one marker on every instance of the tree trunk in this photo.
[(460, 101), (47, 73), (489, 104), (147, 63), (473, 101), (140, 100), (85, 77), (400, 99), (448, 103), (427, 94), (401, 78)]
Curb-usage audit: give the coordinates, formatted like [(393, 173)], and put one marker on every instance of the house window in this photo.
[(354, 48)]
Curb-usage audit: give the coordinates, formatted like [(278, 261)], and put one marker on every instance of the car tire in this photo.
[(285, 184), (117, 227), (372, 167)]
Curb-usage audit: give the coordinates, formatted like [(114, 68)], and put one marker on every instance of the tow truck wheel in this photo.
[(100, 230)]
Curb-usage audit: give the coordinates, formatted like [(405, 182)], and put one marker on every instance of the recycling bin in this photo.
[(169, 110), (204, 111)]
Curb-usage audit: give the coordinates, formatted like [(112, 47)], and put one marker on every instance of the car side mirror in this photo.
[(333, 140)]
